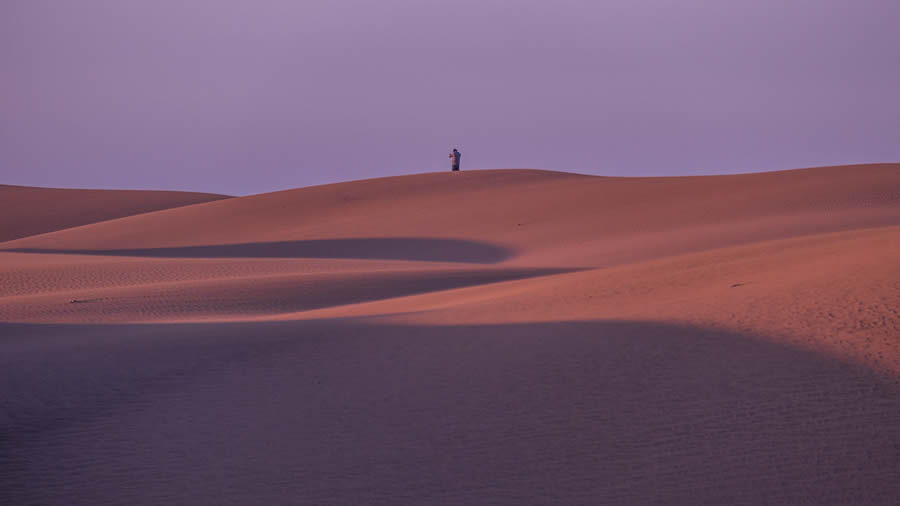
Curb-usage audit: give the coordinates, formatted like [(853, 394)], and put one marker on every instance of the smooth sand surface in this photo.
[(482, 337), (28, 210)]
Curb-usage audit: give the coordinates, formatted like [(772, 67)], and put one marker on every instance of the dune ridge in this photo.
[(490, 337), (29, 210)]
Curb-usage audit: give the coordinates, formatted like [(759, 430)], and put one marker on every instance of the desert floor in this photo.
[(481, 337)]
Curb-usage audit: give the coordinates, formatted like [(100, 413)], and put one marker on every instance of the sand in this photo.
[(30, 211), (481, 337)]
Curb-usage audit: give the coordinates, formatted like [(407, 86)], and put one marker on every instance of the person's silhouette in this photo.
[(455, 156)]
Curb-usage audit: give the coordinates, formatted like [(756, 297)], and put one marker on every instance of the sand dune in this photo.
[(483, 337), (570, 219), (30, 211)]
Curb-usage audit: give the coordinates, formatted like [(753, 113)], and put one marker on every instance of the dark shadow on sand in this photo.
[(367, 287), (368, 248), (350, 412)]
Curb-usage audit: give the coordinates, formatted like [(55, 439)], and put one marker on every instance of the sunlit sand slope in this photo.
[(29, 210)]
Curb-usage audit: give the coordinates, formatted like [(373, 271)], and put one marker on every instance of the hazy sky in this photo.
[(245, 96)]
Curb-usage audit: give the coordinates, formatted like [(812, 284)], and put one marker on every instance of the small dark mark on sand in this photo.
[(737, 285)]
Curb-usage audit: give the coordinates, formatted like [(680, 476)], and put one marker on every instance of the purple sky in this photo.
[(245, 96)]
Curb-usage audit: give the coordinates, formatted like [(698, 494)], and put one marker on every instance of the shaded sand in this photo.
[(344, 412), (30, 210), (484, 337)]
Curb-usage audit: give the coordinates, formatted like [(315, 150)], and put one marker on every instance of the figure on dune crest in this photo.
[(454, 159)]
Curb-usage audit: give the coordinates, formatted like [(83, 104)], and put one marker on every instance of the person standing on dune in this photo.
[(454, 159)]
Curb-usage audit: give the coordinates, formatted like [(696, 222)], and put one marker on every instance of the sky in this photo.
[(248, 96)]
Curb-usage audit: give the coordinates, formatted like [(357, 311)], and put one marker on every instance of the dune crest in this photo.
[(31, 210)]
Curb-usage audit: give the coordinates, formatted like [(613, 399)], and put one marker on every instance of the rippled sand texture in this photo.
[(482, 337)]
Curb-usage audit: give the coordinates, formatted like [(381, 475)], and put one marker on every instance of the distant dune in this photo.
[(481, 337), (29, 210)]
